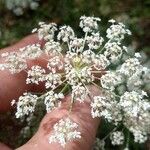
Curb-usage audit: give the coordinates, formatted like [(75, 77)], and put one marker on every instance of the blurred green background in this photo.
[(134, 13)]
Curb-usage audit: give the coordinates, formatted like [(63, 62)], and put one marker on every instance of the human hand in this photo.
[(12, 86)]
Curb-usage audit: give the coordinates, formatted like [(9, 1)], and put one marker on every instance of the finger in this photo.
[(80, 114), (12, 86), (4, 147), (31, 39)]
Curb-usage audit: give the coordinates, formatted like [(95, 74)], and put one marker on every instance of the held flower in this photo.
[(74, 63)]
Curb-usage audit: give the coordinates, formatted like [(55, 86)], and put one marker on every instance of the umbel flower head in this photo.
[(64, 131), (75, 62)]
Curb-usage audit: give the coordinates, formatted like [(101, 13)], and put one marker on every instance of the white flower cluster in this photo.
[(88, 24), (106, 107), (52, 80), (13, 62), (117, 31), (139, 136), (130, 101), (75, 76), (130, 66), (26, 104), (75, 62), (113, 51), (35, 75), (46, 31), (52, 47), (117, 138), (100, 62), (52, 100), (110, 80), (136, 114), (79, 92), (64, 131), (99, 144), (97, 107), (55, 64), (18, 6), (65, 34), (94, 41), (31, 51)]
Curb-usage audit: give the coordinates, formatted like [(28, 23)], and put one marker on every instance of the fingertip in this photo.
[(30, 39), (4, 147)]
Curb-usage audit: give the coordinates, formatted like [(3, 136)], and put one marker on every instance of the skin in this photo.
[(16, 85)]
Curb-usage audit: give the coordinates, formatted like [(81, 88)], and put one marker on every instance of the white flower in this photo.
[(136, 111), (138, 55), (112, 21), (113, 51), (35, 75), (97, 105), (55, 64), (52, 48), (134, 82), (117, 31), (138, 79), (5, 54), (31, 51), (76, 45), (100, 62), (46, 31), (99, 144), (117, 138), (74, 63), (3, 67), (34, 30), (65, 34), (64, 131), (52, 100), (146, 75), (26, 104), (13, 102), (14, 62), (130, 66), (79, 93), (76, 75), (144, 93), (139, 136), (106, 107), (88, 56), (94, 41), (130, 98), (88, 24), (110, 80), (52, 80)]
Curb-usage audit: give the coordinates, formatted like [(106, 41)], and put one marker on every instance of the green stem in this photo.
[(128, 139), (109, 134), (103, 47), (64, 88), (71, 105), (84, 40), (42, 96)]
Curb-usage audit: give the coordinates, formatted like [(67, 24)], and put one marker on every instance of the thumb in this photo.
[(12, 86), (80, 114), (4, 147)]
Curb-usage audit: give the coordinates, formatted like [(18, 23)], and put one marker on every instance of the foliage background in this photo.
[(134, 13)]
